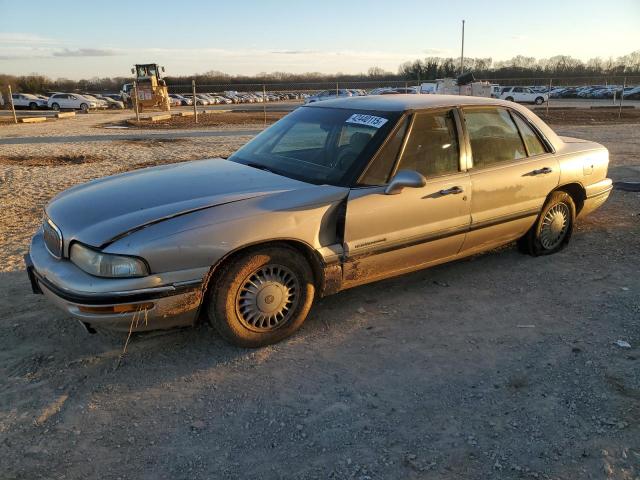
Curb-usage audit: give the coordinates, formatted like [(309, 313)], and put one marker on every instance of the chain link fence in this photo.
[(592, 87), (601, 89)]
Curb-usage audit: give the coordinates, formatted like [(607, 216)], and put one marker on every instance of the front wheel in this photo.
[(55, 106), (33, 106), (509, 99), (261, 296), (553, 228), (539, 101), (84, 107)]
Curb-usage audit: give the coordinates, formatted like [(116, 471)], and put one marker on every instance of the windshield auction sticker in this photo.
[(368, 120)]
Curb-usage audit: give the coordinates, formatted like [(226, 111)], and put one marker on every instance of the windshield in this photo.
[(319, 145)]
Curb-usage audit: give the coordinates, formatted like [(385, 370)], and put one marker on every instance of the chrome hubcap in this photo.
[(554, 226), (268, 297)]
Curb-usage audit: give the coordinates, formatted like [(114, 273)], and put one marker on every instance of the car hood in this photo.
[(98, 212)]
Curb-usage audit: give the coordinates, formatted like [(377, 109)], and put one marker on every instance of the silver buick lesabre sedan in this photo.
[(336, 194)]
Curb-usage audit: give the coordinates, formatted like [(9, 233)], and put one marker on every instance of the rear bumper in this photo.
[(596, 195), (154, 307)]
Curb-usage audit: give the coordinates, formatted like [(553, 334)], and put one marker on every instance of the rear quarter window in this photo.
[(531, 140)]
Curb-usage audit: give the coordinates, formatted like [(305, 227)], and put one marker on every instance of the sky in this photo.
[(85, 39)]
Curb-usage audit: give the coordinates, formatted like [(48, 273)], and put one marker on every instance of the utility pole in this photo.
[(195, 101), (13, 107), (462, 52)]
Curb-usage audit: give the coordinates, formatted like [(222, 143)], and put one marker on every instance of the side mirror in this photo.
[(405, 178)]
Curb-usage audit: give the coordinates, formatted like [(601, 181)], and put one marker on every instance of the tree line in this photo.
[(430, 68)]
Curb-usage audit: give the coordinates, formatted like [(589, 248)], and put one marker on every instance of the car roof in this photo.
[(402, 102)]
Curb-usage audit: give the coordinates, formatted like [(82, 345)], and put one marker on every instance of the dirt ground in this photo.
[(556, 116), (499, 366), (211, 119), (588, 116)]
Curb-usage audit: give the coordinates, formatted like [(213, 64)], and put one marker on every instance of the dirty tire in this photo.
[(231, 308), (539, 101), (553, 228)]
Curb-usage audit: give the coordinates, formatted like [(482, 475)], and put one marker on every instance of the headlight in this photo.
[(105, 264)]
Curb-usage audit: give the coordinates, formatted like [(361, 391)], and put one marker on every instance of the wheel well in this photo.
[(577, 193), (314, 261)]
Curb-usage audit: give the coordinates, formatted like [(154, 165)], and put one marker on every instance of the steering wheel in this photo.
[(345, 157)]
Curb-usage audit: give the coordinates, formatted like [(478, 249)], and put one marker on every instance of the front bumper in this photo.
[(169, 300)]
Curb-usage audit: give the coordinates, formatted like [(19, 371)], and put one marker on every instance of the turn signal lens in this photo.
[(111, 309)]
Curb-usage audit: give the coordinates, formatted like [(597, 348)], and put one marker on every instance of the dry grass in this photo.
[(48, 160)]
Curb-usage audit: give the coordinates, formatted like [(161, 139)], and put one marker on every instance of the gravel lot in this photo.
[(499, 366)]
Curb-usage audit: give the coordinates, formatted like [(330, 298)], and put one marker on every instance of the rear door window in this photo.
[(493, 136)]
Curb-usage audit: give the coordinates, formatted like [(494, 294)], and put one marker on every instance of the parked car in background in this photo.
[(100, 104), (379, 90), (224, 100), (184, 101), (27, 100), (633, 93), (328, 94), (197, 99), (406, 90), (523, 95), (111, 103), (114, 96), (73, 101), (336, 194)]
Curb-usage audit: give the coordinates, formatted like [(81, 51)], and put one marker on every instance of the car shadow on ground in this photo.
[(35, 322)]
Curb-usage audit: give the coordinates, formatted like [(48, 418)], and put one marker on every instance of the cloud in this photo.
[(17, 38), (294, 52), (436, 52), (85, 52)]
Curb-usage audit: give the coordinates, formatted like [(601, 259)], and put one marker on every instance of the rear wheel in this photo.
[(552, 231), (262, 296), (539, 101)]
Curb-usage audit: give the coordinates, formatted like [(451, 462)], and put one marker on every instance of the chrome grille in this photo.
[(52, 238)]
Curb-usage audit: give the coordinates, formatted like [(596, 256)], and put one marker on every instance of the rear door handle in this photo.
[(451, 191), (542, 171)]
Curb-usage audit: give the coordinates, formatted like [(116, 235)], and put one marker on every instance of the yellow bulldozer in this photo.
[(151, 89)]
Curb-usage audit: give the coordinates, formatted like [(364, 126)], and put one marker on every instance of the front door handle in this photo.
[(542, 171), (451, 191)]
